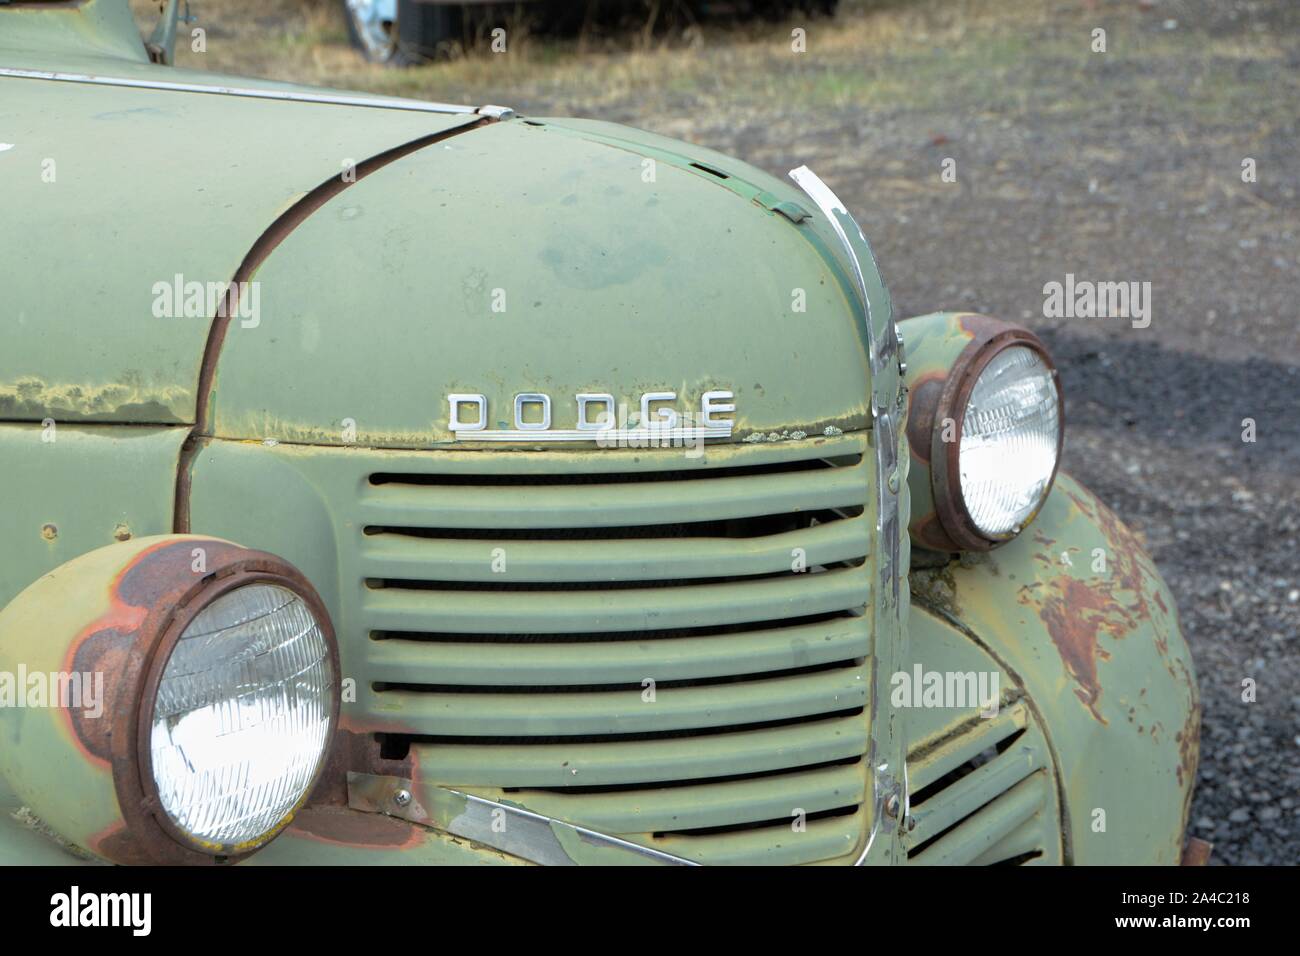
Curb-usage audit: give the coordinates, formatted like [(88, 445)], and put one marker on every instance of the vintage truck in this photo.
[(396, 482)]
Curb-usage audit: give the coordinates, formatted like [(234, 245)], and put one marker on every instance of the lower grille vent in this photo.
[(982, 794)]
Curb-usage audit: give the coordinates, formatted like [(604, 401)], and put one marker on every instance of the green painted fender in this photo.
[(1076, 612)]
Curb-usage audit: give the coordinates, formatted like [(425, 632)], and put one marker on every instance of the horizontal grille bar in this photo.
[(624, 609), (618, 662), (583, 559), (974, 790), (550, 765), (625, 711), (776, 845), (595, 505), (931, 762), (725, 803)]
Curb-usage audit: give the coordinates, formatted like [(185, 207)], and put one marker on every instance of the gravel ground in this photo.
[(1122, 166)]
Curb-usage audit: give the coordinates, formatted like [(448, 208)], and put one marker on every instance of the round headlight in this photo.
[(242, 717), (991, 419), (1010, 439)]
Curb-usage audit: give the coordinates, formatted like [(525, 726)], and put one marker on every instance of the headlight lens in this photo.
[(1010, 439), (242, 716)]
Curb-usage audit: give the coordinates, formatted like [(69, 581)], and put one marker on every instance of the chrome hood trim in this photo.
[(293, 96)]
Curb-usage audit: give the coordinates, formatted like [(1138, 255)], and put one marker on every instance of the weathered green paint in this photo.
[(148, 185), (97, 31), (68, 489), (941, 739), (26, 840), (678, 284), (337, 836), (1101, 657), (43, 760)]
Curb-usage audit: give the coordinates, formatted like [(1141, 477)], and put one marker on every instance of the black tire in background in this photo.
[(420, 33)]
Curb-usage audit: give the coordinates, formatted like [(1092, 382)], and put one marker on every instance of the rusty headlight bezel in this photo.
[(254, 568), (953, 529), (946, 456)]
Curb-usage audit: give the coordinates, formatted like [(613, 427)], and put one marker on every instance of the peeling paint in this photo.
[(128, 400)]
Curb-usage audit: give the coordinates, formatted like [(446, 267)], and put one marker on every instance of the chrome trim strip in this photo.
[(533, 837), (496, 112), (510, 829), (886, 409)]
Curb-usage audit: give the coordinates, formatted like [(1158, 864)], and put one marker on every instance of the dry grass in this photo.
[(921, 55)]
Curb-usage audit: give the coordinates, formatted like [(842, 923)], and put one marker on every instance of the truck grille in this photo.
[(631, 651)]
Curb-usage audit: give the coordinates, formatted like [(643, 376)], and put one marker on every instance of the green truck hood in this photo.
[(553, 257), (108, 191), (556, 256)]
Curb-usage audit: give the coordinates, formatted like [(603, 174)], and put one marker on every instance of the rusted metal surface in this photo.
[(343, 827), (1079, 611), (1197, 852)]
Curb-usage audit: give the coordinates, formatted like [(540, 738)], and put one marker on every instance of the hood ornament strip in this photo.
[(886, 408), (295, 96)]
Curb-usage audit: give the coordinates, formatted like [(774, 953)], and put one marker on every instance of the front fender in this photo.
[(1076, 611)]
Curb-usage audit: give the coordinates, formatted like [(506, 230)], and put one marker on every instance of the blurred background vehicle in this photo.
[(409, 32)]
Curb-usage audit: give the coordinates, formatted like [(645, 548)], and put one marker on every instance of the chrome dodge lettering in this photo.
[(598, 419)]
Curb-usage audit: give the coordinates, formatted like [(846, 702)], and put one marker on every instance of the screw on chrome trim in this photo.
[(891, 805), (911, 823), (402, 798)]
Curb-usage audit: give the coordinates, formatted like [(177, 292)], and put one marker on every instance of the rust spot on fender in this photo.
[(1075, 613), (977, 326), (1189, 743), (1196, 852)]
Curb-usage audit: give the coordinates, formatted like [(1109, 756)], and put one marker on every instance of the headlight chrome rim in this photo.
[(945, 456)]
